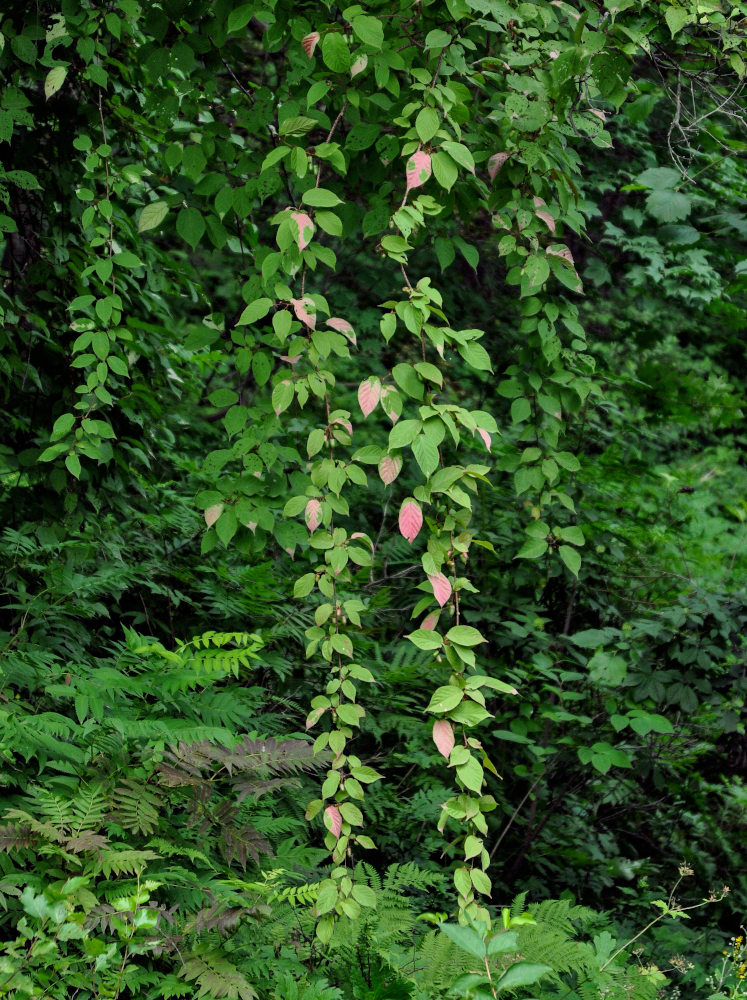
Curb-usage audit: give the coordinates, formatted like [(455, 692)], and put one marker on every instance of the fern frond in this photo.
[(135, 807), (125, 861), (16, 836), (217, 977), (168, 850)]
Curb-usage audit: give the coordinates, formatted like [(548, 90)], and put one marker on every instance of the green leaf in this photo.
[(466, 938), (437, 39), (427, 124), (668, 206), (335, 52), (659, 178), (240, 17), (476, 356), (152, 215), (365, 895), (54, 80), (403, 433), (327, 896), (571, 558), (446, 173), (445, 698), (532, 549), (572, 534), (465, 635), (426, 455), (425, 638), (320, 198), (481, 882), (522, 974), (190, 225), (471, 774), (460, 154), (369, 30), (254, 311), (61, 427), (677, 18)]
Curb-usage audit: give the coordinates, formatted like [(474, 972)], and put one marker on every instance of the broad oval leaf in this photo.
[(342, 326), (445, 698), (333, 820), (305, 229), (443, 737), (410, 520), (441, 587), (522, 974), (305, 311), (311, 514), (418, 169), (389, 468), (310, 42), (495, 163), (152, 215), (369, 394), (213, 513)]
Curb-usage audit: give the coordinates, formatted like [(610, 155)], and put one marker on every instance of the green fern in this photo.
[(135, 807), (119, 859), (217, 978)]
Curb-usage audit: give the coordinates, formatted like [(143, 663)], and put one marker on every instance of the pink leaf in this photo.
[(305, 228), (310, 42), (342, 326), (410, 520), (305, 310), (359, 65), (418, 169), (389, 468), (430, 621), (547, 219), (485, 436), (443, 737), (313, 717), (344, 423), (560, 251), (441, 587), (495, 163), (213, 513), (312, 514), (251, 525), (333, 820), (369, 394)]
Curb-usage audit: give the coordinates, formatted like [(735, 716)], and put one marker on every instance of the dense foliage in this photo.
[(373, 506)]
